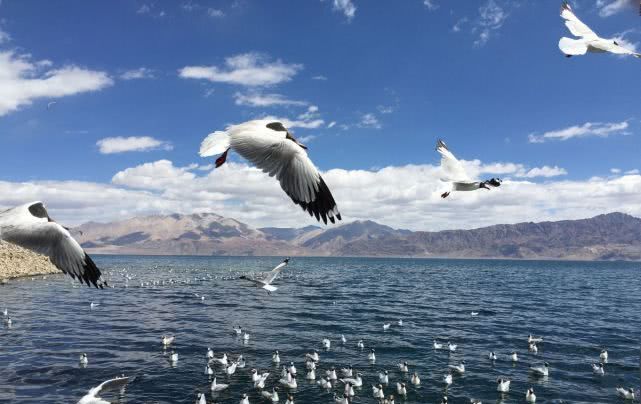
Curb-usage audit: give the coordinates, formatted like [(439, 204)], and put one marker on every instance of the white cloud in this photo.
[(577, 131), (23, 81), (491, 19), (319, 77), (369, 120), (257, 99), (544, 171), (144, 9), (331, 124), (247, 69), (632, 172), (4, 37), (136, 74), (459, 24), (216, 13), (611, 7), (400, 196), (430, 4), (346, 7), (120, 144), (615, 170), (385, 109)]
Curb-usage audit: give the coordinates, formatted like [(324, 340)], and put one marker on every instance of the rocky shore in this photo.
[(16, 262)]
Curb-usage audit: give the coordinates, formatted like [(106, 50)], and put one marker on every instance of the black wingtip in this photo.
[(323, 206), (91, 274)]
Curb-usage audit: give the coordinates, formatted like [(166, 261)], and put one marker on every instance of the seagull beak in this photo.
[(301, 145)]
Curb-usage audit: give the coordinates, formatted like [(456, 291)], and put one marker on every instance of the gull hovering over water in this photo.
[(92, 396), (588, 40), (273, 149), (29, 226), (456, 174), (266, 283)]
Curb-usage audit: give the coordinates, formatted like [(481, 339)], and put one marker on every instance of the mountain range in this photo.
[(613, 236)]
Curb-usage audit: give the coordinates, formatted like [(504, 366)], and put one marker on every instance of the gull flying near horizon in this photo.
[(29, 226), (273, 149), (266, 283), (588, 40), (455, 173)]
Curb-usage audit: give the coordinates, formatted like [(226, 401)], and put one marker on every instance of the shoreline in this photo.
[(16, 262)]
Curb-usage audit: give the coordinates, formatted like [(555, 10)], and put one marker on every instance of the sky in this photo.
[(103, 106)]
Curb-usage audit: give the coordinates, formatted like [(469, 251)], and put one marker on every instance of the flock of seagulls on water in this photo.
[(270, 146)]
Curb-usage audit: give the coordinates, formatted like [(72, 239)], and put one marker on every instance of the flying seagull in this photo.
[(588, 41), (273, 149), (456, 174), (29, 226), (267, 282), (92, 396)]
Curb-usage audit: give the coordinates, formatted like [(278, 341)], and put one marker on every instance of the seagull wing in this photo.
[(620, 50), (286, 160), (258, 282), (573, 46), (274, 272), (451, 167), (54, 241), (576, 26), (111, 384)]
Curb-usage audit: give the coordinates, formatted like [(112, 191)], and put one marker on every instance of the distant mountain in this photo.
[(614, 236)]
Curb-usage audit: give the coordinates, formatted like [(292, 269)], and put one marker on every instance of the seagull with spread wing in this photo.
[(455, 173), (29, 226), (273, 149), (588, 40), (266, 283), (92, 396)]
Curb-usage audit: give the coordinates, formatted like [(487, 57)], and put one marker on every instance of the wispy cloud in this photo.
[(22, 81), (578, 131), (150, 9), (247, 69), (137, 74), (459, 24), (257, 99), (119, 144), (369, 120), (491, 18), (319, 77), (430, 4), (346, 7), (215, 12), (608, 8), (4, 37)]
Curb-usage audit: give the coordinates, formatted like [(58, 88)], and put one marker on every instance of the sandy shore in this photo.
[(16, 262)]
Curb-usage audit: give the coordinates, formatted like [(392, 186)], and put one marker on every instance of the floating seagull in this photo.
[(200, 399), (588, 41), (456, 174), (597, 368), (534, 340), (377, 392), (271, 277), (530, 397), (448, 379), (273, 396), (451, 347), (401, 390), (29, 226), (400, 322), (349, 390), (208, 370), (372, 356), (276, 357), (92, 396), (383, 377), (492, 356), (5, 312), (292, 369), (325, 383), (222, 361), (514, 357), (356, 382), (341, 400), (402, 367), (244, 399), (238, 330), (415, 380), (311, 375), (386, 326), (313, 356), (532, 347), (626, 394), (437, 345), (273, 149), (8, 322), (348, 371), (326, 343), (210, 353), (541, 370), (343, 339), (246, 337), (231, 369), (474, 313), (503, 385), (310, 364), (173, 358), (289, 382), (360, 344), (290, 399), (84, 361), (331, 374), (167, 340), (458, 368), (603, 356)]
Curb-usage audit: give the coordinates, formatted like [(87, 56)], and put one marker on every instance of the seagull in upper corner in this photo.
[(456, 174), (271, 277), (29, 226), (92, 396), (273, 149), (588, 41)]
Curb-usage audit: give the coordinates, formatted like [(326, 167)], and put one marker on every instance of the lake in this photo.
[(578, 307)]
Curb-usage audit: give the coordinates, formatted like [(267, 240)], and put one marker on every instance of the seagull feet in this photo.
[(221, 160), (445, 195), (568, 56)]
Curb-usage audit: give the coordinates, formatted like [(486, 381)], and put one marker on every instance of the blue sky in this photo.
[(371, 84)]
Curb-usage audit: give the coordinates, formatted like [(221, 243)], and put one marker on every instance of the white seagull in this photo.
[(626, 394), (266, 283), (273, 149), (598, 369), (244, 399), (92, 396), (201, 399), (29, 226), (541, 370), (603, 356), (530, 397), (455, 173), (415, 380), (588, 40), (502, 385)]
